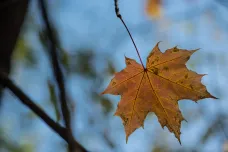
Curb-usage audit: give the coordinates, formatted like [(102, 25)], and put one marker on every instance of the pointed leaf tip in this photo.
[(157, 45), (159, 42), (179, 141), (126, 139), (214, 97), (185, 120), (102, 93), (193, 51)]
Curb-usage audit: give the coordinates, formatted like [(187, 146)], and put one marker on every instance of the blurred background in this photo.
[(93, 43)]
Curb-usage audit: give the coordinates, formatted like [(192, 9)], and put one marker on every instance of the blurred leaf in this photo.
[(106, 104), (82, 63), (27, 147), (65, 60), (110, 69), (43, 36), (159, 149), (225, 146), (95, 95), (53, 100), (10, 146), (23, 53), (153, 8), (107, 139)]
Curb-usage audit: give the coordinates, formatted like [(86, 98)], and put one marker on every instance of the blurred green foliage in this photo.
[(53, 100), (10, 146), (82, 63), (24, 53)]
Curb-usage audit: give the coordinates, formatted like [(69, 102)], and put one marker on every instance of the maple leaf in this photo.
[(156, 88)]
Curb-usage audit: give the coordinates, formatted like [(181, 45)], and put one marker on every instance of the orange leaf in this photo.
[(154, 8), (157, 88)]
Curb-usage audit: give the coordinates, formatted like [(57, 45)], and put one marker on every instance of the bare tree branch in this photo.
[(73, 144), (63, 132), (56, 66), (6, 82)]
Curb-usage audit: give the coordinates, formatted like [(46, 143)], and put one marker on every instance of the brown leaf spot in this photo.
[(125, 120), (128, 62), (157, 59), (155, 71), (113, 83), (165, 68), (175, 49), (201, 97), (186, 76)]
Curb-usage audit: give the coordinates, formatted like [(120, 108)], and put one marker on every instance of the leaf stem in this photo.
[(120, 17)]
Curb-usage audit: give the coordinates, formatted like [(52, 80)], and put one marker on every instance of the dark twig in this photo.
[(56, 67), (63, 132), (74, 146), (6, 82), (120, 17)]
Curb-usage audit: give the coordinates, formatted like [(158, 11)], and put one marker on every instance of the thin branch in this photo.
[(63, 132), (74, 146), (120, 17), (6, 82), (56, 67)]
